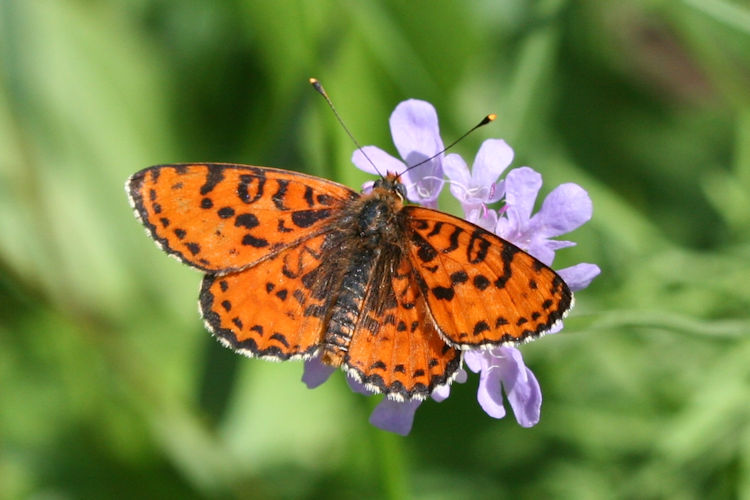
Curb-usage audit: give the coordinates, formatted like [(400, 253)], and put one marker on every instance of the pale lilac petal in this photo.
[(394, 416), (442, 392), (566, 208), (521, 188), (504, 227), (316, 373), (521, 387), (423, 190), (544, 249), (384, 162), (415, 130), (555, 328), (456, 169), (525, 397), (579, 276), (539, 249), (490, 393), (474, 359), (493, 157), (483, 217)]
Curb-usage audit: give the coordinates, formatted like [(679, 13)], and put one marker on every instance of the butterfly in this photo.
[(297, 266)]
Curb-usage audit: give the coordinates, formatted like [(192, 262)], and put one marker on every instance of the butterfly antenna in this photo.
[(487, 119), (319, 88)]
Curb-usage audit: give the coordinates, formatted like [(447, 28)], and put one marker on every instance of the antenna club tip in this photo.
[(491, 117), (313, 81)]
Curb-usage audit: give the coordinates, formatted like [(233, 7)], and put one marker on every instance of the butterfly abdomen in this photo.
[(371, 231)]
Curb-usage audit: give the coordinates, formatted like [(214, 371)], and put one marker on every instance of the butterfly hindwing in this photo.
[(263, 311), (396, 349), (225, 217), (480, 289)]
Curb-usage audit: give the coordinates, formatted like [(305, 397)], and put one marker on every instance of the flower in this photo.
[(414, 127), (479, 187), (415, 132)]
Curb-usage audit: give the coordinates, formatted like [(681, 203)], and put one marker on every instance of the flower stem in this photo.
[(389, 448)]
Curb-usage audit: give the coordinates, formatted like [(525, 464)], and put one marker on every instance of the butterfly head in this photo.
[(391, 183)]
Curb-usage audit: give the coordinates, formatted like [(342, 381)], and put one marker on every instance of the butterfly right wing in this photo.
[(225, 217), (481, 290)]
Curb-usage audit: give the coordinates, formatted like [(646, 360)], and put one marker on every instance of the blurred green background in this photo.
[(109, 385)]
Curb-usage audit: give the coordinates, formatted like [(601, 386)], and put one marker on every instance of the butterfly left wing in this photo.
[(395, 348), (480, 289), (264, 311)]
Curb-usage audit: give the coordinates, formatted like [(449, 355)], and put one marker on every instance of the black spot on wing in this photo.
[(306, 218), (215, 176), (248, 221), (254, 242), (226, 212)]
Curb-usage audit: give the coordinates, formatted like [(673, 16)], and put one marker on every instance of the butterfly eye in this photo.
[(401, 191)]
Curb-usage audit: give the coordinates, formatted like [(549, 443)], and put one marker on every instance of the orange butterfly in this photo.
[(298, 266)]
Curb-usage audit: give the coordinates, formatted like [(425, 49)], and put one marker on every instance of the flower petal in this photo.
[(316, 373), (394, 416), (475, 359), (490, 393), (415, 130), (455, 168), (540, 249), (521, 387), (493, 157), (384, 162), (579, 276), (526, 400), (442, 392), (483, 217), (521, 188), (566, 208)]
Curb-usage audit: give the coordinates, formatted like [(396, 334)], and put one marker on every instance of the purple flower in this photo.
[(415, 132), (566, 208), (502, 369), (414, 126), (479, 187)]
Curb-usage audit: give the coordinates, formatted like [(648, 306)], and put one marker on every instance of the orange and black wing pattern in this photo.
[(480, 289), (226, 217), (396, 348), (263, 311)]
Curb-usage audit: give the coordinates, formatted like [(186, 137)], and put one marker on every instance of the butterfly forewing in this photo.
[(480, 289), (224, 217)]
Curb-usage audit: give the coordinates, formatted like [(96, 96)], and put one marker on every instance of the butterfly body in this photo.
[(298, 266)]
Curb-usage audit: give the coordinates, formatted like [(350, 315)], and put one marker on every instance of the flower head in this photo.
[(415, 132), (479, 187)]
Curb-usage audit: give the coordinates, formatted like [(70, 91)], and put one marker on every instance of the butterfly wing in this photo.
[(263, 311), (480, 289), (225, 217), (395, 348)]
